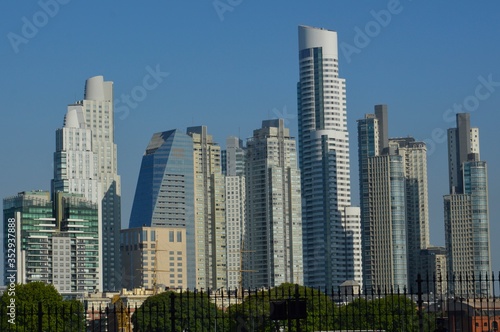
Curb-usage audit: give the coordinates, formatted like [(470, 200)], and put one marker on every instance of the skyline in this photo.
[(425, 72)]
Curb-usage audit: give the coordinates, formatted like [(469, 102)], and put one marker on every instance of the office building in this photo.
[(235, 210), (466, 211), (209, 211), (164, 198), (58, 241), (324, 162), (273, 223)]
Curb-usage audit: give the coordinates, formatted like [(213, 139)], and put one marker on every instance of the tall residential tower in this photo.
[(209, 211), (394, 203), (332, 249), (466, 212), (85, 163), (274, 222), (235, 210)]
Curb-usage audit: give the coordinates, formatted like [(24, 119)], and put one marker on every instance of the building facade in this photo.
[(414, 156), (154, 257), (324, 161), (433, 268), (58, 240), (164, 198), (209, 211), (98, 115), (235, 210), (466, 210), (273, 223), (394, 203)]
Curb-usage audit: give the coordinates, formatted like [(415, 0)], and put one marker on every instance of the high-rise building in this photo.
[(394, 203), (75, 165), (164, 193), (94, 113), (324, 163), (58, 240), (466, 210), (274, 223), (414, 157), (235, 210), (209, 211), (164, 198)]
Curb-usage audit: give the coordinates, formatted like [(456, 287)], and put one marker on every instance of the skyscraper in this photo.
[(394, 203), (466, 210), (164, 192), (75, 166), (274, 223), (97, 106), (85, 158), (209, 211), (324, 163), (235, 210), (164, 198), (414, 157)]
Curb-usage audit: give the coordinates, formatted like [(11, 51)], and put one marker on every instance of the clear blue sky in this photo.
[(232, 69)]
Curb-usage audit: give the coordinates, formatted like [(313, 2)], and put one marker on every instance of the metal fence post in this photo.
[(172, 312), (40, 316)]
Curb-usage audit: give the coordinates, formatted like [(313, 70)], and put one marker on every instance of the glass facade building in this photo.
[(164, 195), (466, 210), (59, 240)]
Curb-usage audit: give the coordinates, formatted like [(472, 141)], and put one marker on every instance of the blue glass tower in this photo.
[(164, 192), (164, 195)]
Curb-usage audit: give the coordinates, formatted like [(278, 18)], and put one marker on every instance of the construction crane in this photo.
[(155, 269)]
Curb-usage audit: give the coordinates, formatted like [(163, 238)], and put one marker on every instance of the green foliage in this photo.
[(39, 302), (254, 313), (193, 312), (389, 313)]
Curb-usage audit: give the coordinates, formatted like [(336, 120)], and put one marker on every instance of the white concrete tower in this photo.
[(97, 107), (324, 161)]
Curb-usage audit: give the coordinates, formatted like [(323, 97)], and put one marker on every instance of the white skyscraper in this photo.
[(235, 210), (274, 223), (97, 109), (75, 166), (324, 163), (209, 211), (75, 163)]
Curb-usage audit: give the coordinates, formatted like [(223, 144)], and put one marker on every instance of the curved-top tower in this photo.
[(331, 252)]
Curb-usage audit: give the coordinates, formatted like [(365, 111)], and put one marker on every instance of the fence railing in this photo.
[(454, 304)]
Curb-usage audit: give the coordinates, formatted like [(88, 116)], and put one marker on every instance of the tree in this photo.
[(35, 303), (389, 313), (193, 311), (256, 311)]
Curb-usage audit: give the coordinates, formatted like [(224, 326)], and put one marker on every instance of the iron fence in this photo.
[(455, 304)]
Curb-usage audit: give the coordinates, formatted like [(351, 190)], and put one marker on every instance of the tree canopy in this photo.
[(35, 302)]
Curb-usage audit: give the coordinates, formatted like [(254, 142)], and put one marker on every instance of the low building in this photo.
[(153, 256)]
